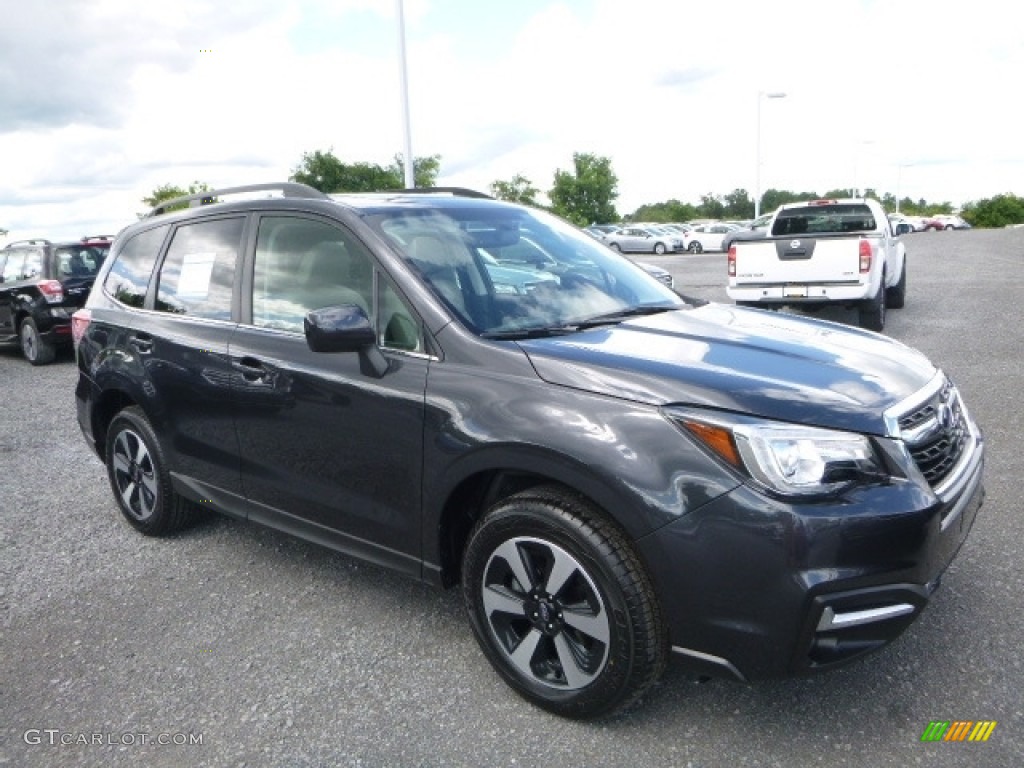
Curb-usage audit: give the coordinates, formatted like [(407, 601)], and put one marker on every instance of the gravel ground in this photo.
[(273, 652)]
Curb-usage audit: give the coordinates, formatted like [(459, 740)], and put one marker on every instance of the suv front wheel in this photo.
[(140, 479), (561, 605)]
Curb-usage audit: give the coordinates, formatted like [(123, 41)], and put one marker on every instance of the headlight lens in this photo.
[(805, 460), (788, 459)]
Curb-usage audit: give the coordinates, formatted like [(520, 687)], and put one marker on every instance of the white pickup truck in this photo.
[(823, 252)]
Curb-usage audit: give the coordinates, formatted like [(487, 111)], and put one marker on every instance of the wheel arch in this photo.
[(481, 486), (108, 404)]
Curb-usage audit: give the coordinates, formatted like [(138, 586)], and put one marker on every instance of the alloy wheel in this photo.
[(29, 344), (546, 613), (135, 475)]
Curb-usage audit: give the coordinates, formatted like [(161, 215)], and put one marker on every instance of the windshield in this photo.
[(509, 272)]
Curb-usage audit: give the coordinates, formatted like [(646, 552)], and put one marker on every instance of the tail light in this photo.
[(732, 261), (80, 324), (866, 253), (52, 291)]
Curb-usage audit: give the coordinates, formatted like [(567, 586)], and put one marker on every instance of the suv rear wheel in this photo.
[(33, 347), (561, 605), (139, 477)]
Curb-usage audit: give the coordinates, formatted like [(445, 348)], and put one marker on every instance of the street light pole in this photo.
[(410, 173), (757, 176)]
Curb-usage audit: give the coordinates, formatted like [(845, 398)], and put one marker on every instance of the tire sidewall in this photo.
[(535, 518), (131, 419), (44, 351)]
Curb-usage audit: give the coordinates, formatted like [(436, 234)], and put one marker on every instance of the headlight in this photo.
[(785, 458)]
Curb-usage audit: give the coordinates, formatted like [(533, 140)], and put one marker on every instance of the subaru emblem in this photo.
[(794, 244)]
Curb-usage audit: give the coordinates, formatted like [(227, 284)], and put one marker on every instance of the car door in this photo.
[(176, 350), (637, 240), (331, 449)]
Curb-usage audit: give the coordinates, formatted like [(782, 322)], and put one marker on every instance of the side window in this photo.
[(33, 265), (398, 327), (12, 269), (198, 273), (304, 264), (132, 267)]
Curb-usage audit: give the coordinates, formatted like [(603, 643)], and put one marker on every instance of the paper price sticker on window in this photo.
[(194, 281)]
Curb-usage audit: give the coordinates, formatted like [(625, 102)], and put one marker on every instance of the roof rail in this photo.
[(454, 191), (286, 188), (37, 241)]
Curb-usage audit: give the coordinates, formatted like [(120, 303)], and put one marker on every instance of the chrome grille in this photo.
[(935, 434)]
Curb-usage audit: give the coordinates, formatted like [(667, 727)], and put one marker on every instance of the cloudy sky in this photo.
[(101, 101)]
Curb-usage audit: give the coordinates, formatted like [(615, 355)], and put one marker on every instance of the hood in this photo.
[(750, 361)]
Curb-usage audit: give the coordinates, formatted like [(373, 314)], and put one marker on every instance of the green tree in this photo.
[(998, 211), (586, 194), (171, 191), (738, 205), (323, 170), (424, 171), (711, 207), (667, 212), (773, 198), (518, 190)]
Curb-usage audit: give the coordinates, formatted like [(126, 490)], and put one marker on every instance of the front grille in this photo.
[(936, 434)]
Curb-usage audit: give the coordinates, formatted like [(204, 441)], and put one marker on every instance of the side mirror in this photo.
[(338, 329), (346, 328)]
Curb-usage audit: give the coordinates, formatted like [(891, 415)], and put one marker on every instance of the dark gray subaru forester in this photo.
[(477, 394)]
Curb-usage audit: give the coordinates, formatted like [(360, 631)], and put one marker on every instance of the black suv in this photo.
[(41, 285), (610, 472)]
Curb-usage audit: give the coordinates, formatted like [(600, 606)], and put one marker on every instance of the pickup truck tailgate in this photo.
[(798, 260)]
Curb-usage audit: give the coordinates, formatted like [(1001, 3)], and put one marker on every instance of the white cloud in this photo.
[(101, 102)]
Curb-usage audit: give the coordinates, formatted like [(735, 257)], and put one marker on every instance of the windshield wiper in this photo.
[(619, 316), (530, 333)]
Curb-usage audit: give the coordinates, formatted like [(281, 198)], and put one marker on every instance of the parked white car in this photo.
[(707, 237)]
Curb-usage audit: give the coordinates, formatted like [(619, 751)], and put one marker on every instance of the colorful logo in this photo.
[(958, 730)]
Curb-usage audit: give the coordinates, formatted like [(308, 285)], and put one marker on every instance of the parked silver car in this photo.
[(643, 240)]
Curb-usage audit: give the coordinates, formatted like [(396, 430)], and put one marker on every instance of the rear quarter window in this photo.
[(128, 278)]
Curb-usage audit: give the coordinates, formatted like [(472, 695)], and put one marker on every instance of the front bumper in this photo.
[(756, 587)]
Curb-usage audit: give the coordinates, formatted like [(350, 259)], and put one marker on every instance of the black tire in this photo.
[(695, 247), (140, 479), (615, 247), (896, 296), (584, 647), (871, 313), (33, 347), (949, 227), (659, 248)]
